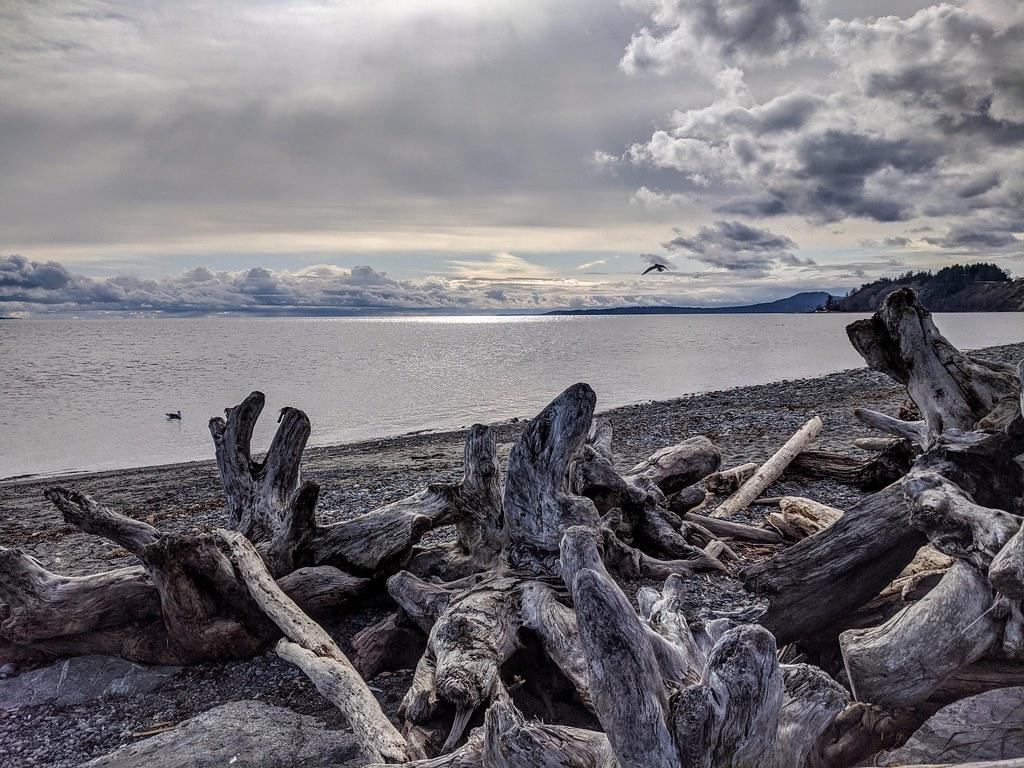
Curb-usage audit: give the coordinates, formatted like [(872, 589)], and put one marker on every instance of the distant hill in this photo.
[(801, 302), (959, 288)]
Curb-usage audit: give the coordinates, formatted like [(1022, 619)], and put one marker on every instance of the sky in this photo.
[(507, 156)]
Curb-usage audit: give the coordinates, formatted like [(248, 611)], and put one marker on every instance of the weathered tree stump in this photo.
[(952, 390)]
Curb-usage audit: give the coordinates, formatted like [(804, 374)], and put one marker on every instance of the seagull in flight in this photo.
[(658, 267)]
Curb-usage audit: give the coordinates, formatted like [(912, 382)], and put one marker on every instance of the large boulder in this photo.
[(989, 726), (242, 734), (81, 679)]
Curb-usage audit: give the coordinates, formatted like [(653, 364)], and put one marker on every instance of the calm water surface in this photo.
[(91, 394)]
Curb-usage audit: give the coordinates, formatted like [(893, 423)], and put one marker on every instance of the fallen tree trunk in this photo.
[(814, 583)]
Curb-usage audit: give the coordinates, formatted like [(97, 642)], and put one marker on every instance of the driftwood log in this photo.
[(770, 471)]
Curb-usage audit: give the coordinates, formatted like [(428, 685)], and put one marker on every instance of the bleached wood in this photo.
[(770, 471), (914, 431), (309, 647), (537, 503), (952, 390), (799, 518), (738, 531), (953, 523)]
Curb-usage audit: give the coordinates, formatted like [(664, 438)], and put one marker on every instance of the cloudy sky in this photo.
[(512, 155)]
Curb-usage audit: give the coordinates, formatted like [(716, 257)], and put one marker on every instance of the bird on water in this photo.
[(658, 267), (176, 416)]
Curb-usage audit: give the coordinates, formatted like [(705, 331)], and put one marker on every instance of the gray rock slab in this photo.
[(81, 679), (242, 734), (989, 726)]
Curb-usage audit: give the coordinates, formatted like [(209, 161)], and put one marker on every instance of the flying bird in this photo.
[(658, 267), (176, 416)]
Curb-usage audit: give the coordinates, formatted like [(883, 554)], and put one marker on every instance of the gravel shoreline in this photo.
[(747, 423)]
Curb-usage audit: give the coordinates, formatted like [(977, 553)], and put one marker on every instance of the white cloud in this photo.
[(500, 266)]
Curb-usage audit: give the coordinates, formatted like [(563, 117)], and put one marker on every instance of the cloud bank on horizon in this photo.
[(500, 156)]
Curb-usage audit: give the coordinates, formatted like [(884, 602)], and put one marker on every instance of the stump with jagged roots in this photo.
[(476, 621), (269, 504), (951, 389)]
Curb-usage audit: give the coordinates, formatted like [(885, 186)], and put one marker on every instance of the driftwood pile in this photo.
[(874, 619)]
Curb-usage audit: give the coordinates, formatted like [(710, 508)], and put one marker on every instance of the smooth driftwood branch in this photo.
[(951, 389), (914, 431), (770, 471), (731, 530), (624, 675), (85, 514), (310, 648)]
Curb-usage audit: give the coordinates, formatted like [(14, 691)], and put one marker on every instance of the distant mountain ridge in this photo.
[(958, 288), (808, 301)]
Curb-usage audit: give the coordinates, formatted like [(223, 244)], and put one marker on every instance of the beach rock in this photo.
[(983, 727), (81, 679), (242, 734)]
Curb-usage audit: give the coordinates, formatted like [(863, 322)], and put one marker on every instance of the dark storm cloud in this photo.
[(737, 247), (921, 118), (730, 32), (19, 272), (174, 130)]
